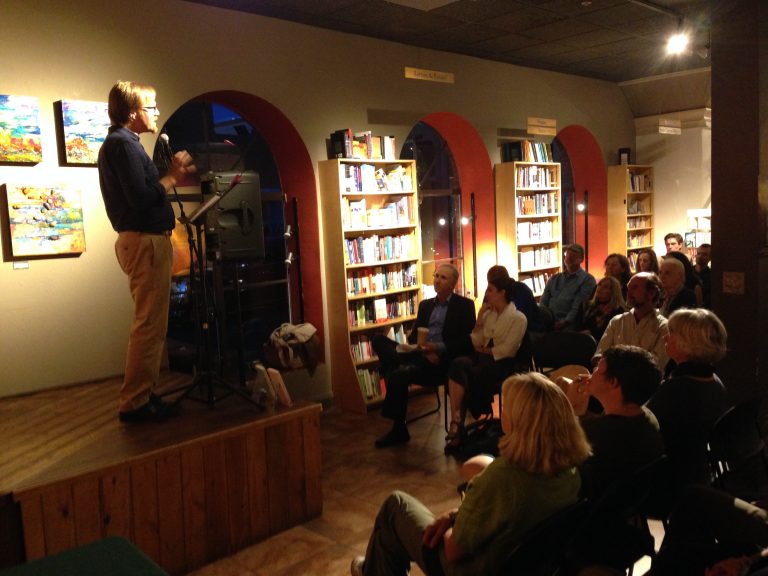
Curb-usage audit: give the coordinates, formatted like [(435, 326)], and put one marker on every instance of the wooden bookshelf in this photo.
[(372, 267), (528, 221), (630, 209)]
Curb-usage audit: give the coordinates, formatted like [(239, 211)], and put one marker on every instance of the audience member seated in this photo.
[(522, 295), (625, 437), (692, 397), (692, 279), (647, 261), (606, 303), (704, 272), (534, 477), (712, 529), (449, 318), (567, 290), (642, 326), (674, 242), (676, 295), (497, 336), (617, 265)]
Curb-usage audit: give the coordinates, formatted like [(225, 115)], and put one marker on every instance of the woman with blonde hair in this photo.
[(606, 302), (534, 477), (692, 397)]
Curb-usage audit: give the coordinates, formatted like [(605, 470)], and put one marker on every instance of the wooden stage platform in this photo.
[(186, 491)]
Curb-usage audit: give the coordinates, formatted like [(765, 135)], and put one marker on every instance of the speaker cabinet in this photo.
[(234, 227)]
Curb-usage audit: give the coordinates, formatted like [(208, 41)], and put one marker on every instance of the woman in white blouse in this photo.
[(497, 337)]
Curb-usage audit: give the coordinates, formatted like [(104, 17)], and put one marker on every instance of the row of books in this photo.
[(367, 178), (357, 214), (640, 182), (367, 312), (374, 249), (538, 231), (379, 279), (636, 239), (535, 177), (526, 151), (639, 222), (363, 145), (371, 384), (536, 257), (639, 206), (536, 282), (545, 203)]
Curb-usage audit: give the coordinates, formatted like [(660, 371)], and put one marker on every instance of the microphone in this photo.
[(166, 152)]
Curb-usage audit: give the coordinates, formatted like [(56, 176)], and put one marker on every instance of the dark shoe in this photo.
[(153, 411), (455, 435), (398, 435)]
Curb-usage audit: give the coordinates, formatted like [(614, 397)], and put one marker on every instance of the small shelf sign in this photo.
[(429, 75)]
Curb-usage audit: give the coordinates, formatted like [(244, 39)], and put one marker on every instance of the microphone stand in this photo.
[(206, 380)]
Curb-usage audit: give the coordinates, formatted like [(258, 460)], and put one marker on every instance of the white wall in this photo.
[(66, 320), (682, 168)]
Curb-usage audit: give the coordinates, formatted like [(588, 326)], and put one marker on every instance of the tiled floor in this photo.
[(356, 479)]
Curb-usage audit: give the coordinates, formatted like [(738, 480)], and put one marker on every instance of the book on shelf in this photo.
[(512, 151), (341, 143), (370, 382), (640, 182), (380, 310), (362, 145), (389, 147)]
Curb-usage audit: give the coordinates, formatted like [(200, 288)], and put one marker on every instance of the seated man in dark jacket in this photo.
[(449, 318)]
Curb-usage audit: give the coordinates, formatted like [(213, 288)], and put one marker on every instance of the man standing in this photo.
[(138, 207), (566, 291), (674, 242), (703, 256), (642, 326), (449, 319)]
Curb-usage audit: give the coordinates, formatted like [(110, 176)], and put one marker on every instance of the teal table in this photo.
[(112, 556)]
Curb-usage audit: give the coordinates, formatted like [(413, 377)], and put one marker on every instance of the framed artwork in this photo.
[(41, 222), (81, 127), (20, 141)]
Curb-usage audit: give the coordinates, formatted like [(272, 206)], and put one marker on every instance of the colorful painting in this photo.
[(81, 126), (20, 141), (45, 221)]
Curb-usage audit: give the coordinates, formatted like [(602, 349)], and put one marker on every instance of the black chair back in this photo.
[(542, 551), (555, 349), (736, 444)]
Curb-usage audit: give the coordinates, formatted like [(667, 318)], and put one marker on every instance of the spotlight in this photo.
[(441, 221), (289, 259), (581, 206), (287, 232), (464, 220), (677, 43)]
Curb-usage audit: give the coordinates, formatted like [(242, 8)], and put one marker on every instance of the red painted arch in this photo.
[(475, 173), (297, 179), (589, 173)]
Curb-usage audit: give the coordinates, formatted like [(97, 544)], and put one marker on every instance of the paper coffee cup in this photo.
[(421, 336)]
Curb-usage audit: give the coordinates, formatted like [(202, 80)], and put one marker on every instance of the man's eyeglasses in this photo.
[(151, 109)]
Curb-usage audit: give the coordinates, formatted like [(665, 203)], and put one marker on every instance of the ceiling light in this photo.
[(677, 43)]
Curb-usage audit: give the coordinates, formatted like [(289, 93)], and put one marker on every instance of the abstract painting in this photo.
[(20, 141), (81, 127), (45, 222)]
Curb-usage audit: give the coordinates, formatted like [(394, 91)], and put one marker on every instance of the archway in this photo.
[(589, 174), (297, 179), (475, 172)]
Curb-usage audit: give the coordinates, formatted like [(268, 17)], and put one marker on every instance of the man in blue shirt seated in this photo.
[(566, 291), (449, 318)]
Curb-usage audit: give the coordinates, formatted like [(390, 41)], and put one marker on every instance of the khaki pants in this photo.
[(146, 259)]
